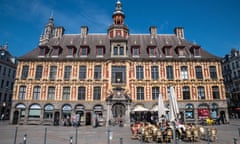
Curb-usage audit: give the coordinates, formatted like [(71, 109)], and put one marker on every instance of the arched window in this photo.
[(189, 111), (22, 108), (48, 111), (34, 111), (66, 111)]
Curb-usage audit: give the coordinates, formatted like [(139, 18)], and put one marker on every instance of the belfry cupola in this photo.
[(118, 15), (118, 29)]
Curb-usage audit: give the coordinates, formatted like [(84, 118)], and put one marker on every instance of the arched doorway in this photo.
[(118, 113), (118, 110)]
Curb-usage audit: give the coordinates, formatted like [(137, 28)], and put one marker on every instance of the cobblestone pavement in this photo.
[(89, 135)]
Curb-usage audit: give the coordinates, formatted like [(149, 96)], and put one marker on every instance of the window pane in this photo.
[(118, 74), (215, 91), (121, 51), (82, 72), (140, 93), (199, 72), (97, 93), (136, 51), (154, 72), (22, 92), (51, 93), (139, 72), (213, 72), (155, 93), (36, 93), (97, 72), (186, 93), (99, 51), (115, 51), (83, 51), (67, 72), (170, 73), (53, 72), (81, 93), (38, 74), (184, 72), (25, 72), (66, 93), (201, 93)]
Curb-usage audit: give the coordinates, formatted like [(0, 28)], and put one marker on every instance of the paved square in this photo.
[(89, 135)]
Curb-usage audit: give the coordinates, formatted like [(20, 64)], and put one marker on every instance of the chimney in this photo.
[(84, 31), (59, 31), (179, 32), (153, 31)]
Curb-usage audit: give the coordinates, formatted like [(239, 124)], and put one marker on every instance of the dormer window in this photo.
[(43, 50), (100, 51), (195, 50), (167, 51), (152, 51), (181, 51), (55, 51), (71, 51), (83, 51), (135, 51)]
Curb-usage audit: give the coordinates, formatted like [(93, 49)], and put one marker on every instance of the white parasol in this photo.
[(174, 110), (139, 108), (161, 108)]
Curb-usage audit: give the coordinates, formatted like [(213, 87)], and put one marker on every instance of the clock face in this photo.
[(2, 53)]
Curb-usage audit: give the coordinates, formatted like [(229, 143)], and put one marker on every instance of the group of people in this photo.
[(72, 120)]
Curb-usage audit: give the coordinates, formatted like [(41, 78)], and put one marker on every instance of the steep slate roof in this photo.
[(141, 40)]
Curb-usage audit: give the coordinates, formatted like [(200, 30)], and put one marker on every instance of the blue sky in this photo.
[(213, 24)]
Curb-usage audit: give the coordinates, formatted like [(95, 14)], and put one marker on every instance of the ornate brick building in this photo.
[(112, 74)]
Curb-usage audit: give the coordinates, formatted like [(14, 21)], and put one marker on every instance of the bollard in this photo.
[(234, 140), (15, 138), (108, 135), (239, 132), (25, 138), (76, 136), (121, 140), (208, 135), (71, 140), (45, 136)]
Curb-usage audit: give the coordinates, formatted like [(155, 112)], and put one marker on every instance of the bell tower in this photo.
[(118, 29), (48, 32)]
